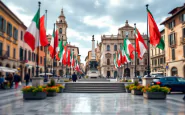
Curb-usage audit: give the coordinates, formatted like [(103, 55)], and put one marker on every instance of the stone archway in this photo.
[(174, 71), (8, 65)]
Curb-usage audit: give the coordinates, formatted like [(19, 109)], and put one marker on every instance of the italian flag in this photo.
[(53, 44), (36, 34), (155, 36), (128, 48), (68, 58), (141, 47), (124, 58), (64, 60), (77, 68), (115, 61), (119, 59), (72, 59), (60, 50)]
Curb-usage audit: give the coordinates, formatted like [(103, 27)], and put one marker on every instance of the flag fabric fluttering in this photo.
[(128, 48), (115, 62), (141, 46), (35, 35), (124, 58), (68, 57), (53, 44), (64, 57), (155, 36)]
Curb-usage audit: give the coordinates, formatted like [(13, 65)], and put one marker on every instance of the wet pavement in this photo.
[(11, 103)]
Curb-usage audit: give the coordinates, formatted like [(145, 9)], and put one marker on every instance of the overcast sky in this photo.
[(98, 17)]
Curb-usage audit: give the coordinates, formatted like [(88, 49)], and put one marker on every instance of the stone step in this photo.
[(93, 91)]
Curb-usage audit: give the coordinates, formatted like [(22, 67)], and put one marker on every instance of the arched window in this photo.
[(108, 48), (115, 47), (174, 71), (108, 61), (60, 30)]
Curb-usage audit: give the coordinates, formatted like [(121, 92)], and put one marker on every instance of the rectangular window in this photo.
[(183, 33), (146, 62), (182, 18), (41, 48), (15, 33), (2, 24), (8, 50), (171, 39), (164, 60), (21, 54), (40, 60), (25, 55), (1, 48), (21, 35), (173, 54), (9, 29), (36, 57), (158, 62), (171, 24), (14, 53), (137, 61), (184, 50), (29, 56)]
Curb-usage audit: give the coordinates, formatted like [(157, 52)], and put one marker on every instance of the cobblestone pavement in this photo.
[(11, 103)]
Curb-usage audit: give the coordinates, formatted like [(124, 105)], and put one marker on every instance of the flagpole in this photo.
[(54, 52), (62, 56), (37, 68), (45, 46), (135, 53), (148, 43), (66, 59)]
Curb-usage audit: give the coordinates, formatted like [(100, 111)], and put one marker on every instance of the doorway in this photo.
[(127, 72), (108, 74)]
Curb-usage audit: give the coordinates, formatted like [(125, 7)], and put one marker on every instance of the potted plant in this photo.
[(127, 88), (52, 83), (34, 93), (52, 91), (155, 92), (61, 88), (136, 90)]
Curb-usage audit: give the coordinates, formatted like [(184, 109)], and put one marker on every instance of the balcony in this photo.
[(3, 54)]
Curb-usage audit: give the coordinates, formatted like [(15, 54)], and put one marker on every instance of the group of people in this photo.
[(7, 82)]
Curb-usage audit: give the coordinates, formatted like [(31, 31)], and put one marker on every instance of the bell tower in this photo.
[(61, 25)]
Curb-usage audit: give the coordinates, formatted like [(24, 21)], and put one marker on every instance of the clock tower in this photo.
[(61, 25)]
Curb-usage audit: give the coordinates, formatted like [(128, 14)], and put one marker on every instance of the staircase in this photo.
[(94, 87)]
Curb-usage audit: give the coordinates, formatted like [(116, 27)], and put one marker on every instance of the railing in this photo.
[(3, 54)]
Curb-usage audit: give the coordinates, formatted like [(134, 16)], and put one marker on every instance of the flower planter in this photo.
[(154, 95), (136, 92), (51, 94), (61, 90), (128, 91), (34, 96)]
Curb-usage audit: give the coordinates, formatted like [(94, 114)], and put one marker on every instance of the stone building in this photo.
[(175, 42), (157, 57), (87, 60), (110, 44)]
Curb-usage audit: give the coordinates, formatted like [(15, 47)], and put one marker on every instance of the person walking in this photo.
[(17, 79), (74, 77), (9, 78), (27, 78)]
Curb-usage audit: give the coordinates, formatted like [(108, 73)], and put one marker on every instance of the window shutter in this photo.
[(1, 23), (173, 54), (4, 25), (16, 34), (10, 30), (174, 39), (174, 23), (168, 41), (184, 50)]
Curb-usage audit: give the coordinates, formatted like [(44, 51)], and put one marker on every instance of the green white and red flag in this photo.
[(35, 34), (64, 57), (141, 46), (53, 44), (128, 48), (155, 36), (115, 62), (68, 57)]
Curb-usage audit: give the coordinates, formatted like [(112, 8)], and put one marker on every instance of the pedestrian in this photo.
[(74, 77), (2, 82), (27, 78), (9, 78), (17, 79)]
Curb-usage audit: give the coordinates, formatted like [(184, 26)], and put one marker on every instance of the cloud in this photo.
[(93, 17)]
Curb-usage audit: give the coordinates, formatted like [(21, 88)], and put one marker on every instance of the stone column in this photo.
[(93, 57)]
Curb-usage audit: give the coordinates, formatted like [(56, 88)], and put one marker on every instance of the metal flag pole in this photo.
[(63, 51), (45, 46), (37, 68), (148, 43), (135, 52), (66, 58), (54, 52)]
